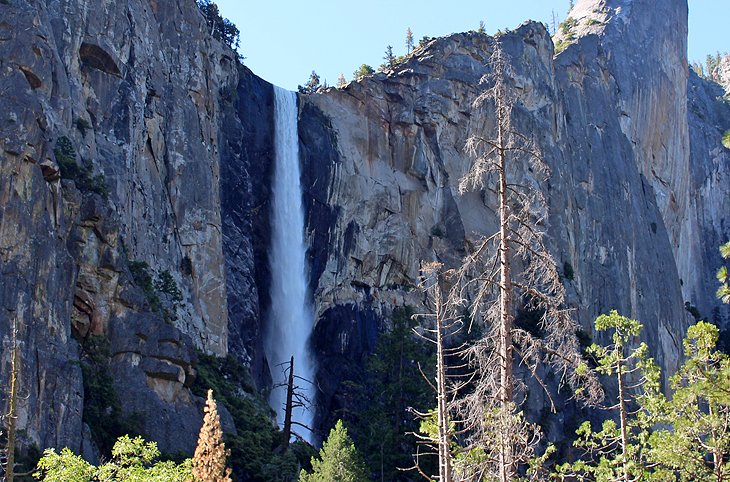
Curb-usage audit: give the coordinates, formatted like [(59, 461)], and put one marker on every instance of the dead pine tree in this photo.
[(294, 399), (210, 458), (511, 266), (438, 325), (11, 415)]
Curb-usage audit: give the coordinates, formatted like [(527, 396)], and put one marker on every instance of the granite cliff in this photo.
[(174, 146), (638, 196)]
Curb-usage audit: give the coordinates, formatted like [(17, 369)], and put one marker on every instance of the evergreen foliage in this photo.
[(409, 40), (697, 447), (312, 85), (254, 448), (132, 459), (620, 451), (379, 413), (82, 175), (341, 81), (363, 71), (338, 460), (161, 291), (389, 59), (209, 461), (723, 292), (102, 408), (220, 28)]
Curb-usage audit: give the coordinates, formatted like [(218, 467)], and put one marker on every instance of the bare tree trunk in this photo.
[(717, 459), (10, 466), (289, 404), (443, 416), (624, 421), (505, 303)]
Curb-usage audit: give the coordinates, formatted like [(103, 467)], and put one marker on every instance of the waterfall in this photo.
[(290, 316)]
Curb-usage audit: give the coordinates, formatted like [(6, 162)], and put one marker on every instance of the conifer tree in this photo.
[(482, 29), (363, 71), (341, 81), (312, 85), (209, 461), (512, 266), (698, 445), (409, 40), (338, 460), (389, 58), (620, 452)]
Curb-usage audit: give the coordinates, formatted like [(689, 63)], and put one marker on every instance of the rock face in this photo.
[(638, 196), (133, 91), (140, 93)]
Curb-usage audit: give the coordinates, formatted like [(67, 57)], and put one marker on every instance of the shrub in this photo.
[(133, 459), (143, 279), (81, 175), (82, 125)]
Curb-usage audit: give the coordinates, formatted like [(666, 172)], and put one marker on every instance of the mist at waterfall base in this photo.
[(290, 316)]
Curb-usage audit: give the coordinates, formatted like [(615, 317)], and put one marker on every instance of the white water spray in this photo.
[(290, 316)]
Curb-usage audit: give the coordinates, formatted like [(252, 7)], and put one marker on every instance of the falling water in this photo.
[(290, 317)]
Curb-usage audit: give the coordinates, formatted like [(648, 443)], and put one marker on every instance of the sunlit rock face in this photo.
[(136, 88), (638, 198), (638, 195)]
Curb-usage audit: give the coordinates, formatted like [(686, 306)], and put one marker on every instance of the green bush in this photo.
[(142, 278), (82, 175), (132, 459), (166, 284), (82, 125), (567, 26)]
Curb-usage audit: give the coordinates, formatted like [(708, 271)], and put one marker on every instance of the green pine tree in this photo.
[(620, 451), (339, 460), (363, 71), (697, 447)]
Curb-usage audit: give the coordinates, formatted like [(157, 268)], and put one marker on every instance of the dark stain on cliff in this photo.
[(342, 339), (319, 156), (247, 161)]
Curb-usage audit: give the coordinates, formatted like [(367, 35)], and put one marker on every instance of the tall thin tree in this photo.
[(11, 416), (444, 325), (512, 266), (409, 40)]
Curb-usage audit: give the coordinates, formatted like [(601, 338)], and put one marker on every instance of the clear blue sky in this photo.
[(283, 41)]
